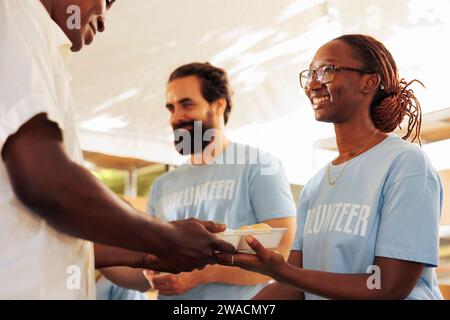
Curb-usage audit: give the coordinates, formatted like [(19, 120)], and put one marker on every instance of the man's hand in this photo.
[(36, 160), (264, 261), (173, 284), (191, 245), (190, 242)]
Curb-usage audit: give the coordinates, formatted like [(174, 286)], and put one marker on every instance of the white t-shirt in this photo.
[(36, 261)]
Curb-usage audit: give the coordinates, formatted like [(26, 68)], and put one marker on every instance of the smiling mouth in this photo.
[(320, 100), (185, 127)]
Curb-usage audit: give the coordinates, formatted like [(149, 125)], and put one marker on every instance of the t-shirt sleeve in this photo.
[(152, 200), (28, 83), (409, 221), (270, 192), (302, 209)]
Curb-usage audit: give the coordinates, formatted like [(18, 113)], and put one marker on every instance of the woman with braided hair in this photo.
[(368, 222)]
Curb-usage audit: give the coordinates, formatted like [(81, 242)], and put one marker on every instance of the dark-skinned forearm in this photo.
[(76, 203), (278, 291), (332, 285), (107, 256)]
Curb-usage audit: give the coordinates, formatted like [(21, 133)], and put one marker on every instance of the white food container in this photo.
[(269, 238), (230, 237)]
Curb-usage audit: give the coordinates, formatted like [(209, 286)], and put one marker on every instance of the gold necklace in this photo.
[(332, 183)]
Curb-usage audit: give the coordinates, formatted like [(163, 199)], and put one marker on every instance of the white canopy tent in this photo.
[(119, 82)]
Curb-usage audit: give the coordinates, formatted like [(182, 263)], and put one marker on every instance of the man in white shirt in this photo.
[(44, 215)]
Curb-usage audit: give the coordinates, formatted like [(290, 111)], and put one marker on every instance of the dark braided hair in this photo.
[(394, 99), (213, 80)]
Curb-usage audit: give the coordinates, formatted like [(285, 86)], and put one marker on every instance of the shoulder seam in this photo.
[(412, 176)]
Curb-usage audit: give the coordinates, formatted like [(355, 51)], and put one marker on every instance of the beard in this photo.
[(189, 137)]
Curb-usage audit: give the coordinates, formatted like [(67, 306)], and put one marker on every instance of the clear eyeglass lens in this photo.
[(325, 74), (305, 77)]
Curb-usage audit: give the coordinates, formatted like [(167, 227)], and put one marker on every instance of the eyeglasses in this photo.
[(325, 74)]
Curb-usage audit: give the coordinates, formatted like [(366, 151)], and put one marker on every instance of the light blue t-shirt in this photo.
[(237, 189), (387, 203), (107, 290)]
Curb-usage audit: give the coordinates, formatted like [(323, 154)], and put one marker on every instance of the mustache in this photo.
[(183, 125)]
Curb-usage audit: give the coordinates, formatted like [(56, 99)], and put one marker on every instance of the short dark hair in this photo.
[(214, 82)]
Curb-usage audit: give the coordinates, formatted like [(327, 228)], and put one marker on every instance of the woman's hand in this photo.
[(264, 261)]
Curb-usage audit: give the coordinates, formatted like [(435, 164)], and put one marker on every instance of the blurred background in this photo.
[(119, 83)]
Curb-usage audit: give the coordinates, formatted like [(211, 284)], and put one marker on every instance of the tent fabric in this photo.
[(119, 82)]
